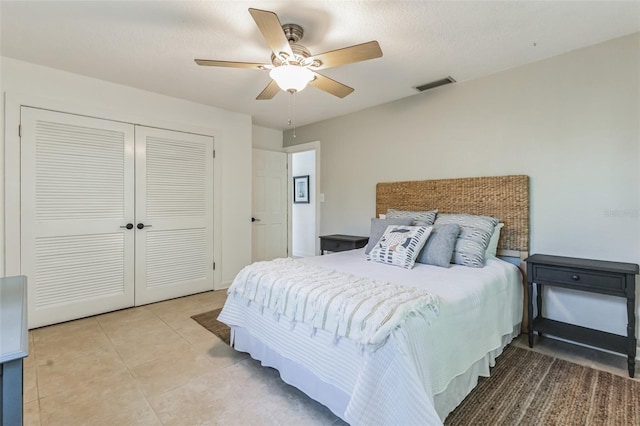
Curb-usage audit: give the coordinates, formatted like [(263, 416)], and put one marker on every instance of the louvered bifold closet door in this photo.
[(77, 181), (174, 208)]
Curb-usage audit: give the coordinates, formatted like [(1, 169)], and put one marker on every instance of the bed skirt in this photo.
[(336, 399)]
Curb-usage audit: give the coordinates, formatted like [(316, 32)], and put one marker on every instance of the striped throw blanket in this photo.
[(358, 308)]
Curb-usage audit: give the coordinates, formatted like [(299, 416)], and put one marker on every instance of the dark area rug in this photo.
[(209, 320)]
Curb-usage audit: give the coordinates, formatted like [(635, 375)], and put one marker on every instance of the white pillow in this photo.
[(382, 216), (492, 248), (400, 245)]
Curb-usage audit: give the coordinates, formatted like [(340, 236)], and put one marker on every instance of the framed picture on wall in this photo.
[(301, 189)]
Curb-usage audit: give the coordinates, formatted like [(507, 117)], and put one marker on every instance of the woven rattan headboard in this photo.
[(503, 197)]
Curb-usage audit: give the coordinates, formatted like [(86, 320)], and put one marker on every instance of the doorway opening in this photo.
[(304, 213)]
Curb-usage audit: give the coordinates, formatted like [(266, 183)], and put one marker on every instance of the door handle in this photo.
[(128, 226), (142, 226), (253, 219)]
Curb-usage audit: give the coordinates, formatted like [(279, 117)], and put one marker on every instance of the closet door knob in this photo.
[(128, 226), (142, 225)]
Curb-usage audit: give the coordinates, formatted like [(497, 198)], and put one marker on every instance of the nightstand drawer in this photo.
[(609, 283), (333, 245), (340, 242)]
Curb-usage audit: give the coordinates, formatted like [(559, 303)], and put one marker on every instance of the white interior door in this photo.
[(77, 176), (269, 230), (174, 209)]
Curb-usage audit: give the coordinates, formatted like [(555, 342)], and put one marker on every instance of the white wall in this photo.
[(265, 138), (24, 83), (572, 123), (303, 216)]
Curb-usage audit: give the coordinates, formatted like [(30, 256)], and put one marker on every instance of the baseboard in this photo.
[(298, 254), (224, 285)]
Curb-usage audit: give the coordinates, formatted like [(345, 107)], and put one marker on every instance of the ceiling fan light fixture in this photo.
[(291, 78)]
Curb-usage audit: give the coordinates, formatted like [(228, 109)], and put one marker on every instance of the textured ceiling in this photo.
[(151, 44)]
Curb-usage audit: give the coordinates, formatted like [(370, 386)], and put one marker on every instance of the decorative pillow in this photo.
[(474, 237), (439, 247), (378, 226), (492, 248), (400, 245), (419, 218)]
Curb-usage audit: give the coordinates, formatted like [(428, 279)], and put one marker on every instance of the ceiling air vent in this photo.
[(436, 83)]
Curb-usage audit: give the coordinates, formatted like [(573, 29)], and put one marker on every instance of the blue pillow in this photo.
[(439, 247)]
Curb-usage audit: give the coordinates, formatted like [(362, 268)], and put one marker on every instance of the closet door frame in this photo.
[(10, 251)]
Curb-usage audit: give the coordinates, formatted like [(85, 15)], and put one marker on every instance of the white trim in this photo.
[(309, 146), (13, 103)]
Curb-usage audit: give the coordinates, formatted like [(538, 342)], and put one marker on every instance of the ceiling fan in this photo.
[(292, 66)]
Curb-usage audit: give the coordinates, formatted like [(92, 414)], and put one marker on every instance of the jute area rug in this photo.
[(528, 388)]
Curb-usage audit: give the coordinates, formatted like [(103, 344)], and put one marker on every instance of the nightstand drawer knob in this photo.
[(575, 277)]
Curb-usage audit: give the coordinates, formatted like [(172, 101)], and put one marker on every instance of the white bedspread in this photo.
[(407, 380), (359, 308)]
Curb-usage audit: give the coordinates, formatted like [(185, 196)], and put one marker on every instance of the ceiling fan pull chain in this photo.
[(289, 111), (294, 114), (292, 117)]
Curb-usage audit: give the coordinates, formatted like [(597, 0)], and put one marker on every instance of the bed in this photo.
[(426, 362)]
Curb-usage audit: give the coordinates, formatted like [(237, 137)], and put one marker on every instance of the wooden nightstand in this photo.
[(339, 242), (593, 276)]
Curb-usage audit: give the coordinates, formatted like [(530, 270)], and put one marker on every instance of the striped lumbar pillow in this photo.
[(473, 239)]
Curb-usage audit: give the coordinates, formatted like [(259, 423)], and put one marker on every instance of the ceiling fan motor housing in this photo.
[(293, 33), (301, 56)]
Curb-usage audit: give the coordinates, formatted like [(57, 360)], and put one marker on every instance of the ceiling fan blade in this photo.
[(330, 86), (348, 55), (269, 92), (229, 64), (271, 30)]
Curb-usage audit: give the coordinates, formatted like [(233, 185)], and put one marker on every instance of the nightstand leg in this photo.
[(539, 303), (631, 331), (530, 312)]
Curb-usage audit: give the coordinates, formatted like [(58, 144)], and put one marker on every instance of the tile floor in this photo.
[(154, 365)]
